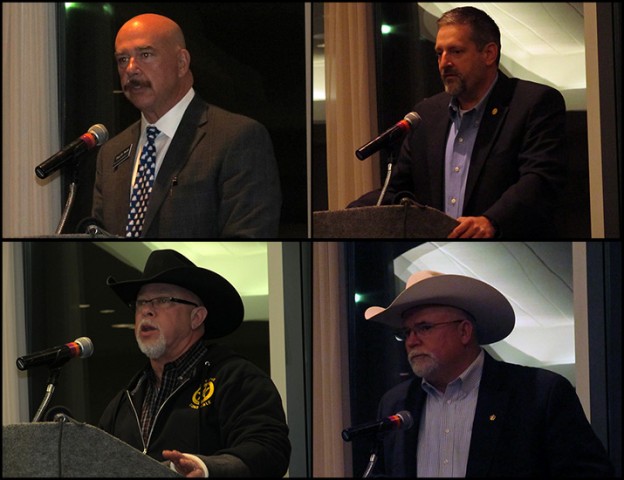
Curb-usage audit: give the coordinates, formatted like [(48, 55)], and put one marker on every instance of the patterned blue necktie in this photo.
[(142, 187)]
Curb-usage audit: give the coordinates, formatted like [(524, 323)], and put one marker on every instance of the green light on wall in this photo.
[(386, 29), (107, 8), (358, 298)]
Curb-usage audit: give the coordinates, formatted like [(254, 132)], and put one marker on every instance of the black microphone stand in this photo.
[(387, 181), (71, 197), (372, 460), (55, 371)]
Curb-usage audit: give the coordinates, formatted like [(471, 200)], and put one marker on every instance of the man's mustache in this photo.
[(137, 83)]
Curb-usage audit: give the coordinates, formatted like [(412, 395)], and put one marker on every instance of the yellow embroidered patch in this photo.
[(202, 396)]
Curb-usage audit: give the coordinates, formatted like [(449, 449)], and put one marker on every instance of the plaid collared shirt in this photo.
[(173, 375)]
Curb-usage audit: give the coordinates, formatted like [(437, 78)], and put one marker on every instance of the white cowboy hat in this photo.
[(492, 312)]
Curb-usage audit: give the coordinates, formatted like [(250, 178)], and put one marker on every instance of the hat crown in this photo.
[(492, 312), (420, 276), (162, 260)]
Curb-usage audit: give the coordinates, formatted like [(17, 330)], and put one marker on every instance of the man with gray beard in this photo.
[(197, 406), (475, 416)]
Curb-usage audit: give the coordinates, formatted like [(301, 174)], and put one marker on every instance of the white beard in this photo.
[(155, 348), (424, 366)]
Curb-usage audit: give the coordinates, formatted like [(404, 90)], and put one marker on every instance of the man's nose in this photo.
[(146, 308), (412, 339), (132, 66)]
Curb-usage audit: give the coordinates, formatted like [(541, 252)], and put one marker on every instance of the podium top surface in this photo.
[(392, 221)]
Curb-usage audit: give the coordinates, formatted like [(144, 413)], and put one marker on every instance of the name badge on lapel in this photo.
[(122, 157)]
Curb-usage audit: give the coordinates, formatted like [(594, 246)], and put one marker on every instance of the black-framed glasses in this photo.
[(158, 302), (420, 329)]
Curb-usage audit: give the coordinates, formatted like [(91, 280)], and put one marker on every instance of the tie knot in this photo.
[(152, 132)]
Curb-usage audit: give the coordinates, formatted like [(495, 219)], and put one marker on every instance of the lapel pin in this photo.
[(494, 111), (174, 182), (492, 418)]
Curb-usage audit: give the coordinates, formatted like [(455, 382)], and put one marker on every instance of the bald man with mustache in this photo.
[(186, 169)]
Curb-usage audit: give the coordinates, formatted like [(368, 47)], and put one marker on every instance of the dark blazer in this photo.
[(517, 167), (528, 422), (219, 179)]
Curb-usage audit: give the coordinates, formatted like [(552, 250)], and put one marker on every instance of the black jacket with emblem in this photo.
[(227, 406)]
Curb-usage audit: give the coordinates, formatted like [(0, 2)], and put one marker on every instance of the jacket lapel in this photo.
[(415, 404), (437, 153), (493, 119), (121, 169), (490, 416), (184, 141)]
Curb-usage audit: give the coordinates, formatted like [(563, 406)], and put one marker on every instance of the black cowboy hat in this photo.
[(224, 304)]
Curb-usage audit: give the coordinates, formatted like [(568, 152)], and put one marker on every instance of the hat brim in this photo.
[(492, 312), (224, 304)]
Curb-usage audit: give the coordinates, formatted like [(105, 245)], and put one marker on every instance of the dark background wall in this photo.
[(377, 362), (248, 58)]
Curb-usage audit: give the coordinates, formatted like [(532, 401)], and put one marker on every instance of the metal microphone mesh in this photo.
[(86, 346), (406, 416), (99, 132), (413, 118)]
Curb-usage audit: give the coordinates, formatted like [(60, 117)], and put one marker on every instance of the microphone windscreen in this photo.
[(413, 118), (407, 419), (100, 133), (86, 346)]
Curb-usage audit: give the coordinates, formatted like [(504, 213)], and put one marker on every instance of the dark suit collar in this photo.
[(415, 403)]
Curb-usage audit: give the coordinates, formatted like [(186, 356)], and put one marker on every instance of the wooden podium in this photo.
[(393, 221)]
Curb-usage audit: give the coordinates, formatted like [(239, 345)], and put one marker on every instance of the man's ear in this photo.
[(467, 331), (184, 62), (491, 53), (198, 316)]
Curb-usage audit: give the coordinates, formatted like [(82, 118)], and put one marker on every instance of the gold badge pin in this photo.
[(494, 111), (492, 418)]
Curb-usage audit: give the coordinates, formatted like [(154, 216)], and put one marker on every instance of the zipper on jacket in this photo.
[(136, 415), (149, 437)]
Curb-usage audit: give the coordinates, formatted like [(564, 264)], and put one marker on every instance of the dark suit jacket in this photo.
[(517, 166), (219, 179), (539, 427)]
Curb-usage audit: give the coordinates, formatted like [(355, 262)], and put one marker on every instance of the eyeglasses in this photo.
[(420, 329), (159, 302)]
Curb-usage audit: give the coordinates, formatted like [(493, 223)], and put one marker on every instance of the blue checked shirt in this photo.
[(446, 424), (459, 145)]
